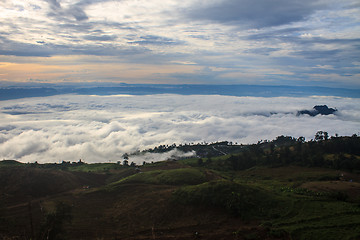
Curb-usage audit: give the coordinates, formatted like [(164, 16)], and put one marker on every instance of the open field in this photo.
[(170, 200)]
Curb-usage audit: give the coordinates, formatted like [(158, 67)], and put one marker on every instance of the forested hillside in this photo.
[(282, 189)]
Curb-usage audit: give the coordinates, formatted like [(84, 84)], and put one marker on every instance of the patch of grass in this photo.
[(181, 176), (252, 236), (96, 167), (303, 213), (189, 161), (207, 162), (239, 200), (318, 219), (347, 232), (304, 191)]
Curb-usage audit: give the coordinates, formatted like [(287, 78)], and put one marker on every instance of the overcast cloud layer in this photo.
[(308, 42), (103, 128)]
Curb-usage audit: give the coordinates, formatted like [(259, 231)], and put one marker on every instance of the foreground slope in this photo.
[(214, 198)]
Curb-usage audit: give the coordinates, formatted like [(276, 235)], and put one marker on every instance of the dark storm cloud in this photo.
[(255, 13)]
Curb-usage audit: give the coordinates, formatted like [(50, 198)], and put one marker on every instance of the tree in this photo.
[(301, 139), (300, 142), (285, 155), (272, 148), (53, 227), (326, 136), (321, 135)]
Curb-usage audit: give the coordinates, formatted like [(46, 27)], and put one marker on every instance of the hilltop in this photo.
[(281, 189)]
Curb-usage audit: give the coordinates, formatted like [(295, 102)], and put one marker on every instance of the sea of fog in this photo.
[(102, 128)]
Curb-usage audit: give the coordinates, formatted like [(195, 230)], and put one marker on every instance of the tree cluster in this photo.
[(323, 151)]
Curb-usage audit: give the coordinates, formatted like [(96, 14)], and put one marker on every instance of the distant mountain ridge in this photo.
[(43, 90)]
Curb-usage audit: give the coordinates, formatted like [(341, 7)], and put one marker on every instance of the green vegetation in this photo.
[(240, 200), (309, 219), (283, 189), (53, 227), (9, 163), (336, 152), (181, 176)]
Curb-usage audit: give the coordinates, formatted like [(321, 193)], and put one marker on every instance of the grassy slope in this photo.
[(306, 214), (173, 200)]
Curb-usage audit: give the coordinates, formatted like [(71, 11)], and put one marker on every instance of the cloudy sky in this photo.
[(103, 128), (307, 42)]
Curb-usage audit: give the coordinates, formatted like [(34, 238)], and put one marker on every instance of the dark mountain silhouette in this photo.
[(318, 109)]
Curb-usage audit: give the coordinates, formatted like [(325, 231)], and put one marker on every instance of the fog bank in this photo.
[(103, 128)]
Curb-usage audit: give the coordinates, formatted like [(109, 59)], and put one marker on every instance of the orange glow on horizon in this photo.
[(82, 71)]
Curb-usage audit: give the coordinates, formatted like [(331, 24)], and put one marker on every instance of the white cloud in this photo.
[(102, 129), (121, 35)]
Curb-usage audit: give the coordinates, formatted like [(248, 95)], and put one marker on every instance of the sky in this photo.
[(103, 128), (261, 42)]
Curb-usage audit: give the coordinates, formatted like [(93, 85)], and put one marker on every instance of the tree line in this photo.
[(323, 151)]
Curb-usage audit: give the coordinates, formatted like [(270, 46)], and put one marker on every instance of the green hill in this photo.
[(261, 191)]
